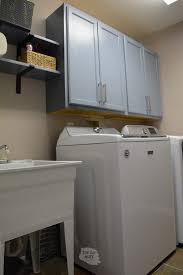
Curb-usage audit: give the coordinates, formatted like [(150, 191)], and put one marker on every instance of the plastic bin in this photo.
[(17, 12)]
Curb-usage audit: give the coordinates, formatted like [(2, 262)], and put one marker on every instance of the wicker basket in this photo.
[(39, 59)]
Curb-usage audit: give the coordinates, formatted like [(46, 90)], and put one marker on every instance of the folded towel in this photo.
[(3, 44)]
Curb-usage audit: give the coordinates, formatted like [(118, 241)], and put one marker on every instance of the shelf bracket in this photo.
[(19, 78)]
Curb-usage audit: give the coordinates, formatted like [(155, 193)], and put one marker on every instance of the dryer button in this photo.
[(145, 131), (126, 153)]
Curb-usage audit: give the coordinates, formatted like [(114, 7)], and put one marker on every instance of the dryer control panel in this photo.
[(140, 131)]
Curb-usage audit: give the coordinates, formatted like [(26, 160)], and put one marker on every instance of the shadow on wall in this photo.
[(24, 124), (26, 127), (23, 119)]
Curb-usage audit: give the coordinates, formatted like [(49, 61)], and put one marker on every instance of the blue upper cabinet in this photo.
[(152, 83), (83, 67), (137, 97), (112, 68), (142, 72), (96, 65), (103, 69)]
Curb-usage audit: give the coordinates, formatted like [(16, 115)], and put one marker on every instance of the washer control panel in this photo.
[(140, 131)]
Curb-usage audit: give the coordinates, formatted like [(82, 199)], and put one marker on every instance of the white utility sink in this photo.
[(33, 164), (35, 194), (16, 164)]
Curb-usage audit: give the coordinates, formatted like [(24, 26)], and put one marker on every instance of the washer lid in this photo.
[(88, 135), (176, 137)]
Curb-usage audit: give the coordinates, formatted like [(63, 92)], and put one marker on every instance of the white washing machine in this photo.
[(124, 200), (177, 158)]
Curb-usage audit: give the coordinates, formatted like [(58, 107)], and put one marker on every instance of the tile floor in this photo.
[(58, 266), (173, 266)]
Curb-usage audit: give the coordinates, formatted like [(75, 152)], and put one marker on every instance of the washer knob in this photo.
[(145, 131), (97, 130)]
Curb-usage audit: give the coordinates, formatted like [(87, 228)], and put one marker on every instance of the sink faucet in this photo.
[(4, 153), (5, 147)]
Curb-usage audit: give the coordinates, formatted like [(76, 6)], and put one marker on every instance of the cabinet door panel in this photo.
[(151, 65), (112, 68), (83, 65), (135, 77)]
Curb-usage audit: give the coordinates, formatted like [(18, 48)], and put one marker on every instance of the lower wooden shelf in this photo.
[(42, 73), (10, 66), (15, 67), (21, 69)]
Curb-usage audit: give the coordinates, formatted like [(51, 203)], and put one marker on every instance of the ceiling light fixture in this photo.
[(168, 2)]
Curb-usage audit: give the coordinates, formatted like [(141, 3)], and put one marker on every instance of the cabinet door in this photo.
[(83, 64), (135, 77), (151, 66), (112, 68)]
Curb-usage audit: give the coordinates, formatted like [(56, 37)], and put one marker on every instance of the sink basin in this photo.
[(17, 165), (35, 194)]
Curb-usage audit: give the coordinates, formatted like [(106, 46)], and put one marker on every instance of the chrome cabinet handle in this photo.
[(99, 93), (148, 104), (150, 108), (104, 93)]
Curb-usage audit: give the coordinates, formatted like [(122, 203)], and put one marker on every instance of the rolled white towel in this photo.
[(3, 44)]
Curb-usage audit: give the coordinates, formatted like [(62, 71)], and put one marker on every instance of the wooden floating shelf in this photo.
[(14, 34), (10, 66), (15, 67), (42, 44), (17, 35), (42, 73), (43, 40)]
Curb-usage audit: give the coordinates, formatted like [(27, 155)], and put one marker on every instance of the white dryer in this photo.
[(124, 200), (177, 160)]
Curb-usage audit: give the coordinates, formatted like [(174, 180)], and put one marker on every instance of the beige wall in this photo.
[(24, 124), (108, 11), (169, 45)]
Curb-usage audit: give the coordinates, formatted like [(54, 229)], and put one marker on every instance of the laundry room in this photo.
[(91, 137)]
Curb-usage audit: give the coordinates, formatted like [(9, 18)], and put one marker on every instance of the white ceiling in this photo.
[(137, 18)]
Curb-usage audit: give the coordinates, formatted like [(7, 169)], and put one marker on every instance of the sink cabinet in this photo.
[(103, 70)]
